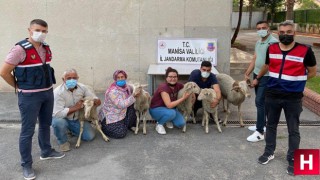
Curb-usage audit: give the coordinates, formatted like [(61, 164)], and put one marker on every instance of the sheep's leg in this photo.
[(137, 123), (227, 115), (203, 118), (80, 134), (99, 129), (193, 118), (185, 115), (240, 116), (224, 108), (144, 123), (216, 120), (206, 119)]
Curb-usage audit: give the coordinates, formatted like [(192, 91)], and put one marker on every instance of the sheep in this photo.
[(89, 113), (141, 105), (186, 106), (207, 96), (234, 92)]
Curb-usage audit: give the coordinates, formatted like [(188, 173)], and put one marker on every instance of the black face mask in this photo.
[(286, 39), (172, 85)]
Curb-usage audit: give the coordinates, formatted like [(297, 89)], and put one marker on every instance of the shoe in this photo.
[(290, 170), (53, 155), (255, 137), (160, 129), (169, 124), (265, 158), (254, 128), (65, 147), (28, 173)]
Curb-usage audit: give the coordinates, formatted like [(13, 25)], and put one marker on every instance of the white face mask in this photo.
[(38, 36), (205, 74), (262, 33)]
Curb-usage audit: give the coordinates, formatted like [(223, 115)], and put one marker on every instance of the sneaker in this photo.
[(169, 124), (160, 129), (53, 155), (255, 137), (290, 170), (28, 173), (265, 158), (254, 128), (65, 147)]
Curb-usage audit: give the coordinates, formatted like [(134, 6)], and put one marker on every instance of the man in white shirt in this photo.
[(67, 103)]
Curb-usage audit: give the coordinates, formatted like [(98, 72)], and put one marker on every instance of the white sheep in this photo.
[(234, 92), (186, 106), (141, 105), (207, 96), (89, 113)]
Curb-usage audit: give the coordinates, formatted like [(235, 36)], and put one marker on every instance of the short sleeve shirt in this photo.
[(260, 50), (17, 55), (157, 101)]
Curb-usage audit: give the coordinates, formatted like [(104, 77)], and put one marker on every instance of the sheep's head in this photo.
[(207, 94), (138, 88), (242, 87), (192, 87), (88, 103)]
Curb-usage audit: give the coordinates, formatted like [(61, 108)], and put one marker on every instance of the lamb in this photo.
[(141, 106), (207, 96), (186, 106), (89, 113), (234, 92)]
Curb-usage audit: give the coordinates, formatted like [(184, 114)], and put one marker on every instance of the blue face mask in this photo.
[(71, 83), (121, 83)]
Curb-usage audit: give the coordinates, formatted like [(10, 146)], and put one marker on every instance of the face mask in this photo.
[(286, 39), (262, 33), (71, 83), (121, 83), (205, 74), (172, 85), (38, 36)]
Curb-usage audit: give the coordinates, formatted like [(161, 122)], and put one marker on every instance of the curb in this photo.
[(311, 100)]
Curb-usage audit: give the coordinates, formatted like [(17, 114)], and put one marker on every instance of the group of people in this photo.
[(289, 64)]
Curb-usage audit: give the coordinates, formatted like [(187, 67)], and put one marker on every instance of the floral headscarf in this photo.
[(115, 74), (125, 88)]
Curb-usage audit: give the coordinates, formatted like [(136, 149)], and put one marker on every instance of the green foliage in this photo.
[(279, 17), (314, 84), (272, 6), (300, 16)]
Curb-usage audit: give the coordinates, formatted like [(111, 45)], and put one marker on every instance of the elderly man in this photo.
[(290, 65), (67, 103)]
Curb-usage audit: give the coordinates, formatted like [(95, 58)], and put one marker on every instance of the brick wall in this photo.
[(311, 100)]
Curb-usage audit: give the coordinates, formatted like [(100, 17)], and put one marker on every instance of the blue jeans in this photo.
[(260, 91), (163, 115), (292, 110), (33, 106), (61, 125)]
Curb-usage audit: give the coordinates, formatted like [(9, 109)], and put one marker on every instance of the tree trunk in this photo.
[(234, 37), (289, 14), (250, 13)]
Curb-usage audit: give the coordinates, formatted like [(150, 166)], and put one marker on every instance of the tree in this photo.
[(251, 2), (271, 5), (289, 5), (234, 37)]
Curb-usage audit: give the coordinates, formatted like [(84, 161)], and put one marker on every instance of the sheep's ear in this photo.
[(144, 85)]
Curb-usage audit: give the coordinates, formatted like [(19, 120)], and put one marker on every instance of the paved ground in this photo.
[(191, 155)]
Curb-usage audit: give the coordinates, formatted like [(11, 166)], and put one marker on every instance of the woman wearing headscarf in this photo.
[(165, 100), (117, 114)]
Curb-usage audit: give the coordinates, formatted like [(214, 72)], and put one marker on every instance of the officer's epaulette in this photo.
[(25, 44)]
